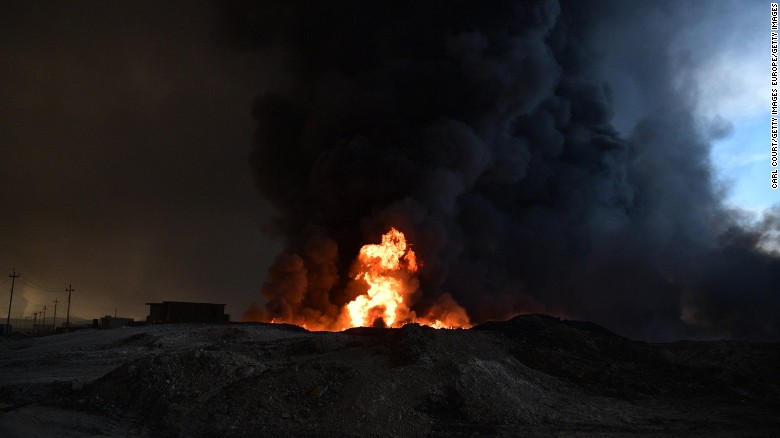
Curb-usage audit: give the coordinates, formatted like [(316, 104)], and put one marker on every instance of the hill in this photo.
[(532, 375)]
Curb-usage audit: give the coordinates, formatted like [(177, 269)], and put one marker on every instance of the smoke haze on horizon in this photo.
[(125, 131)]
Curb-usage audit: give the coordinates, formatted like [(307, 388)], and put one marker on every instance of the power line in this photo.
[(10, 301), (69, 290), (39, 286), (56, 301), (43, 290)]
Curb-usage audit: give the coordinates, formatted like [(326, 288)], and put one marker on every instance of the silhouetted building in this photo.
[(179, 311), (109, 321)]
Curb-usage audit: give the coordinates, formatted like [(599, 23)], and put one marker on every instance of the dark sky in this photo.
[(125, 132), (542, 156)]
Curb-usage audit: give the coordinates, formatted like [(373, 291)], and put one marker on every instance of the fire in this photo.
[(301, 289), (389, 269)]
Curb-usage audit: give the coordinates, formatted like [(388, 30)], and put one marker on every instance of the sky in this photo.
[(125, 131), (147, 154), (725, 48), (738, 95)]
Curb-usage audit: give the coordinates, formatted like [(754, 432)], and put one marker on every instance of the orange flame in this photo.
[(386, 278), (389, 269)]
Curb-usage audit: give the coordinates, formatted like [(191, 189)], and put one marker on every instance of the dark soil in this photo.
[(532, 376)]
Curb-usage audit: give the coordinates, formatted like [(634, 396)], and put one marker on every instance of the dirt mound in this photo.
[(530, 375), (602, 362)]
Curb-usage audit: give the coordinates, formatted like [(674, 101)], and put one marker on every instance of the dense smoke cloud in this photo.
[(485, 134)]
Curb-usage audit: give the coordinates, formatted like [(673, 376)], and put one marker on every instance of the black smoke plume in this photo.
[(483, 131)]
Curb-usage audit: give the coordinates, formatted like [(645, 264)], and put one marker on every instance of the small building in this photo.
[(108, 322), (180, 311)]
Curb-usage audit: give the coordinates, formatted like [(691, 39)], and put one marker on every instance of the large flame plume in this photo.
[(385, 274), (387, 268), (390, 271)]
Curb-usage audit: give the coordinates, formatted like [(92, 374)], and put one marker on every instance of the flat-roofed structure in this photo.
[(181, 311)]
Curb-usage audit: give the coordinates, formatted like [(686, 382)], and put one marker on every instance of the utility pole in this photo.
[(35, 322), (56, 300), (44, 318), (67, 317), (10, 301)]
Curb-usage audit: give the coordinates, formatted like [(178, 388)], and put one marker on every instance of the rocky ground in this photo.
[(531, 376)]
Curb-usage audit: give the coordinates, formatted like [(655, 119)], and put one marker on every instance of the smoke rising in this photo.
[(486, 135)]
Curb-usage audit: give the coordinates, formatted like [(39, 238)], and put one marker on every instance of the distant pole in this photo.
[(10, 301), (56, 300), (44, 318), (35, 321), (67, 317)]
